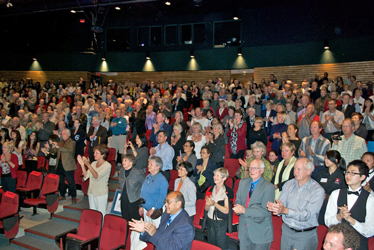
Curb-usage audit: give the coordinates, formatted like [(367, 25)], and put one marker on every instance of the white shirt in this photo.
[(364, 228), (203, 121)]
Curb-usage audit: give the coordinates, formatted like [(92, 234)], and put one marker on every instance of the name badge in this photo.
[(323, 180), (337, 181)]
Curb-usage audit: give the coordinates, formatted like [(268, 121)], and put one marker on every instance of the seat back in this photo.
[(90, 224), (232, 165), (277, 232), (111, 155), (113, 233), (236, 186), (9, 204), (21, 178), (41, 162), (199, 207), (173, 177), (50, 185), (322, 231), (229, 182), (34, 180), (198, 245)]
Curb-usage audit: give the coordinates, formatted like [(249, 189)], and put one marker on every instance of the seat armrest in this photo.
[(93, 241), (119, 247), (8, 216), (63, 236), (50, 193)]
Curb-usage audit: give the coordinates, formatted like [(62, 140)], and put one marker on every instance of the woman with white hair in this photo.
[(197, 138), (216, 141), (259, 152)]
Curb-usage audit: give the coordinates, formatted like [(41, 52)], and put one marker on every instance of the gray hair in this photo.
[(223, 172), (67, 131), (309, 165), (219, 126), (259, 145), (179, 127), (157, 160)]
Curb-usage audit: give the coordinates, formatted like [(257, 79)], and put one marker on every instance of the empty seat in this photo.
[(113, 233), (48, 194), (21, 179), (89, 228), (34, 182), (9, 220), (198, 245), (232, 165)]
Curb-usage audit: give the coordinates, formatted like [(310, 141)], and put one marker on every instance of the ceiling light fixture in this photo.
[(9, 4), (168, 3), (35, 59), (239, 51), (147, 55), (73, 11), (326, 44), (118, 8), (192, 53)]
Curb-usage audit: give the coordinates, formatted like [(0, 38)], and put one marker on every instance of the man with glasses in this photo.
[(299, 204), (255, 222), (176, 230), (350, 146), (353, 205)]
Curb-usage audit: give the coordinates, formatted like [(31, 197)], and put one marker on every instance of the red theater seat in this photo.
[(173, 177), (89, 229), (34, 182), (21, 179), (321, 230), (113, 233), (199, 245), (9, 220), (48, 194), (232, 165)]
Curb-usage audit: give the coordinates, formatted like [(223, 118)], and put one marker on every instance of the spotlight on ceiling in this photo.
[(192, 53), (239, 51), (103, 56), (9, 4), (168, 3), (326, 44), (118, 8), (235, 16), (35, 59), (73, 11), (147, 55)]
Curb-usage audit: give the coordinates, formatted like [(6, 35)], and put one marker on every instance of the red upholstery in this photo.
[(173, 177), (21, 179), (9, 208), (23, 161), (172, 120), (78, 174), (234, 235), (113, 233), (199, 207), (111, 155), (321, 230), (148, 135), (89, 225), (236, 186), (34, 182), (232, 165), (277, 231), (149, 246), (199, 245), (371, 243), (50, 186), (41, 162), (229, 182)]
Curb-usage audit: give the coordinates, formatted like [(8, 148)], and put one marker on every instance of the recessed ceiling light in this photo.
[(167, 3), (117, 8), (73, 11)]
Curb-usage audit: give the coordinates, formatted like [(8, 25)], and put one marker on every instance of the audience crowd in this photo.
[(309, 140)]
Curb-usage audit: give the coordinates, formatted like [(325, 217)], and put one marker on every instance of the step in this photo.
[(113, 187), (27, 242), (68, 215), (79, 206), (47, 231)]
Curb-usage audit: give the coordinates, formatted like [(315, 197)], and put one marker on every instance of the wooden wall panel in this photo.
[(362, 70)]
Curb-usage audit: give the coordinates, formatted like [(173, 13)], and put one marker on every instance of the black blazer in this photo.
[(181, 104), (138, 122), (348, 111)]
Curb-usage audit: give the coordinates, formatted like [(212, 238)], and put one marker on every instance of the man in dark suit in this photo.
[(255, 221), (346, 108), (96, 135), (178, 103), (137, 120), (66, 164), (176, 230)]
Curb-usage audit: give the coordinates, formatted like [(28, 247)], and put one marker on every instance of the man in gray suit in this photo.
[(255, 221)]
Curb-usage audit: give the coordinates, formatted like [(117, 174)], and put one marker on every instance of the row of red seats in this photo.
[(47, 187)]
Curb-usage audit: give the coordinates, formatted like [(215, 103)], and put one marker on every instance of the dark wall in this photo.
[(290, 33)]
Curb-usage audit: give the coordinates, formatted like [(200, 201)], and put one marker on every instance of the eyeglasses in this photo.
[(254, 169), (352, 173), (168, 202), (185, 146)]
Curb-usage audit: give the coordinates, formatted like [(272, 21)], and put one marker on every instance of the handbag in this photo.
[(156, 214), (204, 187)]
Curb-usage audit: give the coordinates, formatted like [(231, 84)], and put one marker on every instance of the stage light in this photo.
[(148, 55), (73, 11), (192, 53), (117, 8), (326, 44), (168, 3), (239, 51)]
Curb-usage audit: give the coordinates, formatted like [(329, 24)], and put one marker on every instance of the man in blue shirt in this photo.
[(157, 127), (119, 134), (165, 152), (255, 221), (176, 230)]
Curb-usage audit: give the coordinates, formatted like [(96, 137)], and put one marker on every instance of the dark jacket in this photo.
[(138, 122), (208, 173)]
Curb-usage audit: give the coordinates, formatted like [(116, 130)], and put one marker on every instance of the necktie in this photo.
[(249, 195), (169, 221)]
